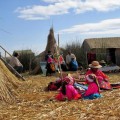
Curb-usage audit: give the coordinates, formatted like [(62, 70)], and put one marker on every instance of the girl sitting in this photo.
[(93, 87), (73, 64), (67, 91)]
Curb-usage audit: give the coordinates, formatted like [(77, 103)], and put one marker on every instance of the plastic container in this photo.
[(43, 67)]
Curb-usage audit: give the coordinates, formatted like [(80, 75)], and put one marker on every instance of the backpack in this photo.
[(74, 65), (52, 66)]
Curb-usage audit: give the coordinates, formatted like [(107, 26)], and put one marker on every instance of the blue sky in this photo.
[(25, 24)]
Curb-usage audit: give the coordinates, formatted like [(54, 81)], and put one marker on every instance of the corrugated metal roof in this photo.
[(111, 42)]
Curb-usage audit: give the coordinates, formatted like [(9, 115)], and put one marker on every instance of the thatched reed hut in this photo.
[(50, 46), (103, 48)]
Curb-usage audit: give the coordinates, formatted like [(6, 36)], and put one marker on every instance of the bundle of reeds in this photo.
[(8, 84)]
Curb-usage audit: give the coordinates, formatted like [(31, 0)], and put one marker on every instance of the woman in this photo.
[(103, 79), (67, 90), (50, 66)]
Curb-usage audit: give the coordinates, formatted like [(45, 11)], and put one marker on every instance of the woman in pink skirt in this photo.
[(67, 90)]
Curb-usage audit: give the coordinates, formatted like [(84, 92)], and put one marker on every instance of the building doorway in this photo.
[(112, 55)]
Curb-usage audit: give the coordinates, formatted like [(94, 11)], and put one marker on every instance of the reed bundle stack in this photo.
[(8, 84)]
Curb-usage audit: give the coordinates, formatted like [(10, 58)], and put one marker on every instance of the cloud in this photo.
[(44, 12), (110, 26), (61, 7), (98, 5)]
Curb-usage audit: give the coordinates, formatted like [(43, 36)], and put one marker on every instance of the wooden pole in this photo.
[(12, 69), (58, 42), (5, 51), (59, 57)]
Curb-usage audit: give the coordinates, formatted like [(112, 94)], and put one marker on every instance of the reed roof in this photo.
[(110, 42)]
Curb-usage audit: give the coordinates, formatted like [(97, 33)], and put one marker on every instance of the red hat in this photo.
[(69, 80)]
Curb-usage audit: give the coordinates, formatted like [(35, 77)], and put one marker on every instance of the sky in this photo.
[(25, 24)]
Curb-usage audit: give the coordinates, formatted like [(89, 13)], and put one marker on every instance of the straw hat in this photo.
[(72, 56), (102, 61), (95, 64)]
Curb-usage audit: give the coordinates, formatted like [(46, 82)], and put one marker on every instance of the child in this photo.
[(52, 86), (93, 87), (73, 64), (67, 90), (50, 66)]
